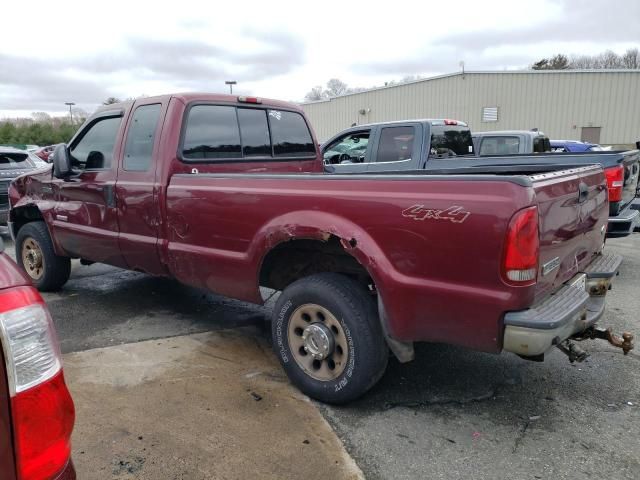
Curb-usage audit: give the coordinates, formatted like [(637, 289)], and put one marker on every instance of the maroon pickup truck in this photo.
[(36, 410), (229, 194)]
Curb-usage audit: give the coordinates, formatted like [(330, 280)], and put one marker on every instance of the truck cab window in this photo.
[(212, 133), (140, 138), (94, 150), (451, 141), (541, 145), (499, 146), (290, 135), (350, 148), (255, 132), (396, 144)]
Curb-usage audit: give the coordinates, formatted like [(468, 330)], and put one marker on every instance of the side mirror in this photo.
[(61, 161)]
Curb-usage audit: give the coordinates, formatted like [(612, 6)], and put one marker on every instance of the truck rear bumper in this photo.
[(579, 304), (625, 222)]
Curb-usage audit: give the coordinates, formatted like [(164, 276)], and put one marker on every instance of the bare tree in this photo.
[(582, 62), (41, 117), (111, 101), (315, 94), (336, 87), (79, 115), (631, 58), (609, 60)]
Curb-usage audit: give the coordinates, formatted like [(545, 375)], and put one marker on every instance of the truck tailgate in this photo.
[(573, 214)]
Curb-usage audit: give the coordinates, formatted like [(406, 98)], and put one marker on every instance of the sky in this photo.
[(85, 52)]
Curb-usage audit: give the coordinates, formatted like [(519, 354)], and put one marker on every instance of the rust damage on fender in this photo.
[(296, 252)]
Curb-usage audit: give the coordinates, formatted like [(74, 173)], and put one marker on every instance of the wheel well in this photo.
[(295, 259), (23, 215)]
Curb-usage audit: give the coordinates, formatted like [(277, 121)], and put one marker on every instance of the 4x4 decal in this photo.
[(454, 213)]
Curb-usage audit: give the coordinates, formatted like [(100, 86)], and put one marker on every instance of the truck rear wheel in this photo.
[(328, 338), (35, 254)]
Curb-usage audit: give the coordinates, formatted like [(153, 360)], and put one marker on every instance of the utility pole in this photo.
[(70, 104), (231, 83)]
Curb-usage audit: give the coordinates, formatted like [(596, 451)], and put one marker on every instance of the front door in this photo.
[(85, 216), (137, 190)]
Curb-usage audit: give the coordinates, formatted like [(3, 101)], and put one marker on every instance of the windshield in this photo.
[(14, 161), (449, 139)]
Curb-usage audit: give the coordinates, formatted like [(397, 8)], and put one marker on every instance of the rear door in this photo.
[(137, 189), (397, 147), (573, 212), (85, 216)]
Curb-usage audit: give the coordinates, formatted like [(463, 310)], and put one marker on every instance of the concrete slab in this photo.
[(210, 405)]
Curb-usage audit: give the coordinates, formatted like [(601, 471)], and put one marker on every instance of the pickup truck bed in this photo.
[(364, 262)]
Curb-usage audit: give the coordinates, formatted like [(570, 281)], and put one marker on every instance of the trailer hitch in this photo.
[(592, 333), (577, 354), (573, 351)]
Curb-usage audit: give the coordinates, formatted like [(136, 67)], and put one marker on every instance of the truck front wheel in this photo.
[(328, 338), (35, 254)]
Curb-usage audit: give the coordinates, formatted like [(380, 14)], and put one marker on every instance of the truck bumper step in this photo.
[(576, 307)]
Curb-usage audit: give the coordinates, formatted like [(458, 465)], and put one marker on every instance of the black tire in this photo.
[(55, 269), (354, 308)]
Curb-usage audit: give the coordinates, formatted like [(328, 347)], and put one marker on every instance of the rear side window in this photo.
[(451, 140), (140, 138), (255, 132), (396, 144), (228, 132), (290, 135), (212, 132), (541, 145), (12, 160), (95, 149), (500, 146)]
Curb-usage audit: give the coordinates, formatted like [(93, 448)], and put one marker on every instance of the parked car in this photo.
[(13, 163), (230, 193), (430, 145), (32, 148), (44, 152), (576, 146), (510, 142), (36, 409)]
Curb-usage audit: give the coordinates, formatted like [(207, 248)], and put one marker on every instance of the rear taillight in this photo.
[(522, 247), (41, 408), (615, 182)]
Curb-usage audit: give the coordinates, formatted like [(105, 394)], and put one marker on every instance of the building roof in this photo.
[(480, 72)]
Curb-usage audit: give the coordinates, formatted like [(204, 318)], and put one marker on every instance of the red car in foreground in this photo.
[(36, 409)]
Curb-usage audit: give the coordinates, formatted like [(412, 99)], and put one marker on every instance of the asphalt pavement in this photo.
[(452, 413)]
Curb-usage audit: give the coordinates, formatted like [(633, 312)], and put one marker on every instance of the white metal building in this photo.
[(601, 106)]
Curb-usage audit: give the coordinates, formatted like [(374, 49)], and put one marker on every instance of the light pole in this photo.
[(231, 83), (71, 104)]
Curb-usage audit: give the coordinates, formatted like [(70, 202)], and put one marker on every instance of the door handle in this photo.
[(108, 191)]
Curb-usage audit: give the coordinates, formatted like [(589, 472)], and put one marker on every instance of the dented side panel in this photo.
[(431, 246)]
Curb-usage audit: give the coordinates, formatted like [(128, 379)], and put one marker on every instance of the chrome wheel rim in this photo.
[(32, 258), (317, 342)]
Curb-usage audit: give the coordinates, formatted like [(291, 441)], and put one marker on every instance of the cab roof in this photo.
[(188, 97)]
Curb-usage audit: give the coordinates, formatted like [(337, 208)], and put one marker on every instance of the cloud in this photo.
[(43, 84), (582, 22)]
